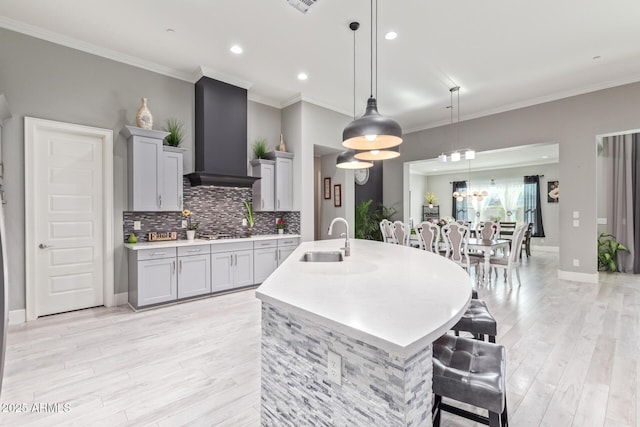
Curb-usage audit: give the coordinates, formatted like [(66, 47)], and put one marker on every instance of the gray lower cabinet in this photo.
[(152, 276), (232, 265), (194, 271), (286, 247), (265, 259)]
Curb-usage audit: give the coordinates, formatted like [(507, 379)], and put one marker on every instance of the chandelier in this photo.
[(470, 195), (456, 155)]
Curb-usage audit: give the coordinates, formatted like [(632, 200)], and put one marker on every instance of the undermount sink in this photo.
[(325, 256)]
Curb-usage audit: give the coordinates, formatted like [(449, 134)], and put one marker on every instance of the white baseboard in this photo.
[(578, 277), (122, 298), (17, 316), (555, 249)]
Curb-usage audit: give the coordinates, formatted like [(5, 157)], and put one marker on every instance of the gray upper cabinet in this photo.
[(154, 171), (264, 188), (283, 180)]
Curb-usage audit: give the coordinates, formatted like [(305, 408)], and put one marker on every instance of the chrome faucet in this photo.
[(347, 248)]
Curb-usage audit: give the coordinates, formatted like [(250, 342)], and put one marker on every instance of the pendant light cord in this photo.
[(376, 38), (354, 73), (371, 60)]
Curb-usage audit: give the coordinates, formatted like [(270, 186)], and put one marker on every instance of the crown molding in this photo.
[(301, 98), (270, 102), (73, 43), (217, 75)]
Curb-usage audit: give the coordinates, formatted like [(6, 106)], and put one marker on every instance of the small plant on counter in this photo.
[(608, 252), (260, 148), (280, 224), (176, 132), (430, 198), (186, 213), (249, 215)]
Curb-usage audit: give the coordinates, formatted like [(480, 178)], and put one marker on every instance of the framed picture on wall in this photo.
[(337, 195), (553, 192), (327, 188)]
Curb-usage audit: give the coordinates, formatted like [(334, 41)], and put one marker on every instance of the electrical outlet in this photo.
[(244, 222), (137, 225), (576, 262), (576, 223), (277, 220), (576, 214), (334, 368), (184, 223)]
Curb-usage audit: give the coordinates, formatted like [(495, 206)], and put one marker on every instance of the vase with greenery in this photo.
[(176, 132), (368, 220), (430, 198), (608, 249), (260, 148), (249, 217)]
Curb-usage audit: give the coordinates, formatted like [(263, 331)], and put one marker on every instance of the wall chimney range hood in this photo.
[(220, 135)]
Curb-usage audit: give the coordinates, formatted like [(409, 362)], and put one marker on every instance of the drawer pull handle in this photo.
[(158, 253), (194, 250)]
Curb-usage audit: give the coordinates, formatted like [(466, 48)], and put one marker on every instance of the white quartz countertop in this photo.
[(195, 242), (394, 297)]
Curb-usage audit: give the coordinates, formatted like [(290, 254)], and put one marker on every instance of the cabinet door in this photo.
[(264, 188), (284, 185), (243, 268), (156, 281), (146, 173), (194, 275), (221, 271), (284, 252), (171, 196), (265, 261)]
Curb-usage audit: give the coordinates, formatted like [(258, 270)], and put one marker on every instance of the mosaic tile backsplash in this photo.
[(217, 210)]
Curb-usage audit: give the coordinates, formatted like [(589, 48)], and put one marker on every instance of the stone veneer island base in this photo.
[(379, 310)]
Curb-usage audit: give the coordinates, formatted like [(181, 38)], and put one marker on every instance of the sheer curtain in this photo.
[(620, 209), (532, 207)]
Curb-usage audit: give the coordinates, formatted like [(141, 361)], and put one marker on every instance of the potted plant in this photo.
[(608, 252), (280, 225), (191, 226), (176, 132), (260, 148), (431, 198), (249, 217)]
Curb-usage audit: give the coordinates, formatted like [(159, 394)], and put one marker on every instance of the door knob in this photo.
[(43, 246)]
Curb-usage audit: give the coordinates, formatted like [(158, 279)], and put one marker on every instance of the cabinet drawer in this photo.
[(194, 250), (144, 254), (293, 241), (233, 246), (264, 244)]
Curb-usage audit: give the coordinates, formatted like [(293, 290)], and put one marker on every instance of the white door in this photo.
[(68, 223)]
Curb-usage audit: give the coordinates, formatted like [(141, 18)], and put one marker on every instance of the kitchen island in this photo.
[(349, 343)]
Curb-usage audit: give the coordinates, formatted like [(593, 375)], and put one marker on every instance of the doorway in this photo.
[(68, 217)]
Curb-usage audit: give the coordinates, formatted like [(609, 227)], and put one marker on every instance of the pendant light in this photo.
[(372, 131), (347, 159)]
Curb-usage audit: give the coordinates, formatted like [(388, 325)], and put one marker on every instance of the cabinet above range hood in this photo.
[(220, 135)]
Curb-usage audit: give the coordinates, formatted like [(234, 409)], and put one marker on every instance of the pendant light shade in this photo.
[(372, 131), (347, 160), (385, 154)]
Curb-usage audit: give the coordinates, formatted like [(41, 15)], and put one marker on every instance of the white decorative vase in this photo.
[(280, 230), (430, 205), (144, 118), (281, 146), (191, 234)]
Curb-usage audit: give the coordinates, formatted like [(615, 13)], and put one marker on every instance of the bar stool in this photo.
[(472, 372), (477, 320)]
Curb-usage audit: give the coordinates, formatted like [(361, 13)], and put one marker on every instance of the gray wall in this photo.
[(328, 210), (263, 121), (573, 123), (45, 80)]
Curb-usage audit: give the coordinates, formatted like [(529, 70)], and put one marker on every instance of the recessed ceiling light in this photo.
[(391, 35), (545, 157), (170, 30), (236, 49), (596, 57), (302, 76)]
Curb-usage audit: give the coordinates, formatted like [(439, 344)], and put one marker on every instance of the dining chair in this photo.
[(488, 230), (402, 232), (429, 236), (506, 229), (386, 227), (456, 237), (511, 261), (526, 242)]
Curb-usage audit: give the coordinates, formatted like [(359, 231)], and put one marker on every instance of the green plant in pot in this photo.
[(176, 132), (260, 148), (608, 249)]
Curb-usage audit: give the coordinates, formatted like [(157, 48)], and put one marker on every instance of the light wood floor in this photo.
[(572, 351)]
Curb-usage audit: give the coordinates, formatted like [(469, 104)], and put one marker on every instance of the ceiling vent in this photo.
[(302, 5)]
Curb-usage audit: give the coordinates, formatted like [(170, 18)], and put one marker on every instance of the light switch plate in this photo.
[(334, 367), (576, 214), (137, 225), (576, 223), (184, 223)]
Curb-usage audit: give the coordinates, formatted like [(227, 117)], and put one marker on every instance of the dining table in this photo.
[(487, 246)]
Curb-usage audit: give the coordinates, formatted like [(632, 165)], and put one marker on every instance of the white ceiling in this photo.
[(503, 53), (513, 157)]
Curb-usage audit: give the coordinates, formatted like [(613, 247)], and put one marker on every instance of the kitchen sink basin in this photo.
[(325, 256)]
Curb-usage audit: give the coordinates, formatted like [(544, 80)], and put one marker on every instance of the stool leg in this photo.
[(494, 419), (435, 411), (492, 338)]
